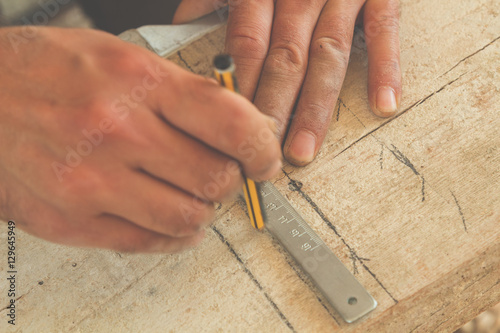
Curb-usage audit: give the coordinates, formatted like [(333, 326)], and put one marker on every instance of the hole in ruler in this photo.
[(352, 301)]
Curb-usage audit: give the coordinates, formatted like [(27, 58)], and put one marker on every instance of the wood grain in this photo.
[(410, 204)]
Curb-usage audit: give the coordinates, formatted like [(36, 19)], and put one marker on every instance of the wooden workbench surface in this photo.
[(411, 205)]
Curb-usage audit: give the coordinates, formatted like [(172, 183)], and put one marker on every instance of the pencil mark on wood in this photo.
[(355, 116), (423, 188), (399, 156), (252, 277), (184, 61), (459, 211), (297, 186), (406, 161), (354, 258), (403, 159), (470, 55), (338, 110)]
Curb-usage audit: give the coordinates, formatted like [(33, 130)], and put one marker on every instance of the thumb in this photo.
[(190, 10)]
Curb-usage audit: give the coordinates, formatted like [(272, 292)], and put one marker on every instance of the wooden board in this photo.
[(411, 205)]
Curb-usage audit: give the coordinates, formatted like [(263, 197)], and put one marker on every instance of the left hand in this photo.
[(294, 53)]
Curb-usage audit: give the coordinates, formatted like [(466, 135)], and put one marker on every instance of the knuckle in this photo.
[(80, 186), (319, 113), (96, 109), (129, 60), (247, 43), (235, 131), (266, 157), (199, 90), (228, 185), (334, 45), (286, 57), (90, 113), (387, 67), (384, 22)]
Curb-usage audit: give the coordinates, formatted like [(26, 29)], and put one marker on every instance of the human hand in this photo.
[(104, 144), (293, 53)]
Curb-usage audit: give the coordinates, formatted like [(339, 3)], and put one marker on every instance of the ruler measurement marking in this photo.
[(326, 271)]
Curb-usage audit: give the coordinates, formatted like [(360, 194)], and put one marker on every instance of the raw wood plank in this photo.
[(411, 205)]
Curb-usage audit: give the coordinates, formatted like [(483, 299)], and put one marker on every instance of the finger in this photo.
[(189, 10), (286, 62), (328, 60), (381, 24), (247, 40), (175, 158), (114, 233), (156, 206), (106, 231), (223, 120)]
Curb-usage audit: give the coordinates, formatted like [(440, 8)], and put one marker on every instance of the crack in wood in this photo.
[(441, 308), (395, 117), (469, 56), (297, 186), (17, 299)]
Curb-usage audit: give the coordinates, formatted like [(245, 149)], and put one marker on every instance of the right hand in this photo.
[(104, 144)]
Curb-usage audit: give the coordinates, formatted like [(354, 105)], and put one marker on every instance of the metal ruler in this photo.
[(333, 279), (327, 272)]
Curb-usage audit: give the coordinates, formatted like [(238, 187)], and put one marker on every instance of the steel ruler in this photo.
[(333, 279), (326, 271)]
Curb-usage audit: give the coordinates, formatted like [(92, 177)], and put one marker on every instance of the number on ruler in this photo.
[(306, 246), (271, 206), (283, 219), (295, 232)]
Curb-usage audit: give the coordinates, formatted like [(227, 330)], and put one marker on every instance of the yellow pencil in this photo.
[(225, 74)]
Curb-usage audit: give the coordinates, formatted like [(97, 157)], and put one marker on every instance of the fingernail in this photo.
[(301, 150), (386, 101)]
